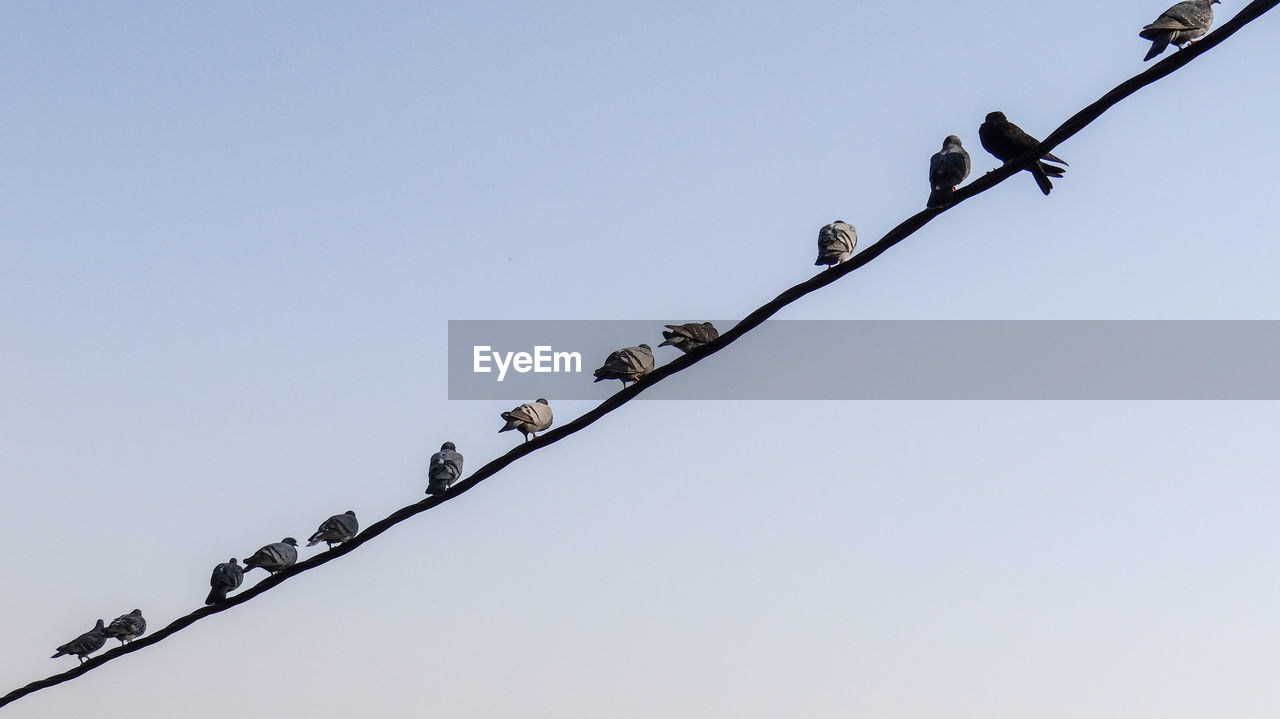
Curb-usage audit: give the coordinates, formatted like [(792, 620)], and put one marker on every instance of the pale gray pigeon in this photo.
[(628, 364), (530, 418), (1178, 25), (445, 469), (688, 336), (947, 169), (336, 530), (226, 577), (274, 557), (836, 242), (127, 627), (85, 644), (1008, 142)]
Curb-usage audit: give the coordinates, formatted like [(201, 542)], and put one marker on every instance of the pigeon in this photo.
[(226, 576), (127, 627), (274, 557), (688, 336), (836, 242), (1179, 25), (445, 468), (1008, 142), (947, 169), (530, 418), (335, 530), (628, 364), (85, 644)]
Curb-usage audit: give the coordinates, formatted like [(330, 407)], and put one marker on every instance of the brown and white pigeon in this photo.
[(1008, 142), (127, 627), (689, 335), (445, 469), (947, 169), (336, 530), (274, 557), (85, 644), (628, 364), (226, 577), (530, 418), (1178, 25), (836, 242)]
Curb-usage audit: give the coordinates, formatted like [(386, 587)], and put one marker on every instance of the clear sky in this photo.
[(232, 234)]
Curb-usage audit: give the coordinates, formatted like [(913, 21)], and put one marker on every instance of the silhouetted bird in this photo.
[(274, 557), (530, 418), (836, 242), (445, 469), (336, 530), (226, 577), (1008, 142), (688, 336), (628, 364), (85, 644), (947, 169), (1178, 25), (127, 627)]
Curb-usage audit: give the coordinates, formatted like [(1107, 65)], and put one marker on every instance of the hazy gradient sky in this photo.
[(231, 237)]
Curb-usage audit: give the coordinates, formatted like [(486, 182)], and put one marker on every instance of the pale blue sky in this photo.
[(231, 238)]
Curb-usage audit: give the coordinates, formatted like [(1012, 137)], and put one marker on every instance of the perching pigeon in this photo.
[(1008, 142), (628, 364), (85, 644), (530, 418), (1179, 25), (947, 169), (335, 530), (836, 242), (226, 576), (127, 627), (688, 336), (274, 557), (445, 469)]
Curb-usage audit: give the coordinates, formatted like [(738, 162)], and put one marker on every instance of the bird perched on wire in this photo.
[(530, 418), (85, 644), (947, 169), (274, 557), (127, 627), (226, 577), (1008, 142), (336, 530), (445, 469), (1179, 25), (628, 364), (689, 335), (836, 242)]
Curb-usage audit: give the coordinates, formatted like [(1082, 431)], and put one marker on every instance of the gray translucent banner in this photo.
[(978, 359)]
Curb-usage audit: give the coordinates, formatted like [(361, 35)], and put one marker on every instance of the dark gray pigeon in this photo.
[(1178, 25), (226, 577), (1008, 142), (836, 242), (628, 364), (530, 418), (127, 627), (335, 530), (274, 557), (444, 470), (85, 644), (688, 336), (947, 169)]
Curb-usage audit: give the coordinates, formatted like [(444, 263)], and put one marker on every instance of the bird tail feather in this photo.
[(1158, 45), (1041, 178)]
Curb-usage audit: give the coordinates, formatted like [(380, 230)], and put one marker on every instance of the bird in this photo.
[(689, 335), (947, 169), (1179, 25), (530, 418), (127, 627), (628, 364), (85, 644), (1008, 142), (445, 468), (226, 576), (335, 530), (836, 242), (274, 557)]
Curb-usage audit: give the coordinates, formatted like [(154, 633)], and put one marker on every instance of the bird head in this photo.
[(233, 561), (136, 612), (542, 400), (953, 140), (448, 445), (646, 348), (350, 512), (290, 541), (995, 116), (98, 627)]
